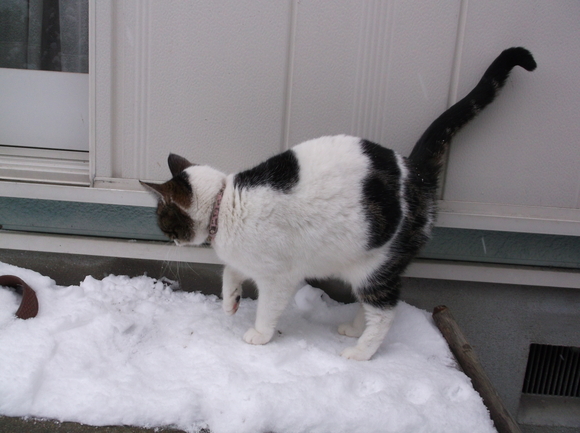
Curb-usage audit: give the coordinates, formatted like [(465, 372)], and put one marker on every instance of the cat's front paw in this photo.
[(254, 337), (356, 353)]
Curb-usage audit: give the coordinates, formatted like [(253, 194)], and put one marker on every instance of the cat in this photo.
[(336, 206)]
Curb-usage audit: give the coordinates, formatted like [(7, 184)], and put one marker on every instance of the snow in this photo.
[(134, 351)]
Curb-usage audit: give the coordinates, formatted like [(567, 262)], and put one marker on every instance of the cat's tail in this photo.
[(428, 154)]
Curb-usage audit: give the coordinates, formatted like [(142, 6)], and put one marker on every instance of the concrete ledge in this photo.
[(166, 252)]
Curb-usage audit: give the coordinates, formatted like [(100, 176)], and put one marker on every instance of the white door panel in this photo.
[(44, 109)]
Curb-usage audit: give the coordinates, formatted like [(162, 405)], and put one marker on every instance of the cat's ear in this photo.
[(158, 189), (177, 163)]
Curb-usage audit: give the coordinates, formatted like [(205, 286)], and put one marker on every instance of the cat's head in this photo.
[(185, 202), (175, 200)]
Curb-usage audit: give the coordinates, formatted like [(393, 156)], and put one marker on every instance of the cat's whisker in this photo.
[(167, 264), (191, 268), (178, 270)]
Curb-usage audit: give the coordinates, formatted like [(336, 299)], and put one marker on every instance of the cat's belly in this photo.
[(349, 261)]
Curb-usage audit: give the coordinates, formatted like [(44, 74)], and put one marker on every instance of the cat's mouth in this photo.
[(185, 237), (192, 237)]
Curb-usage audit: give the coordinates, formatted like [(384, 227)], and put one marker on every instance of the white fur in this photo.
[(378, 322), (317, 230), (206, 183)]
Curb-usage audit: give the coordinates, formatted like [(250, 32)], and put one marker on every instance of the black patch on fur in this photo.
[(174, 196), (382, 288), (177, 164), (281, 172), (182, 179), (381, 188)]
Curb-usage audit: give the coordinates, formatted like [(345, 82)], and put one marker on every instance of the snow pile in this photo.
[(132, 351)]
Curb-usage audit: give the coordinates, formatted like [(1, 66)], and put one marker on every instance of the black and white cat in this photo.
[(336, 206)]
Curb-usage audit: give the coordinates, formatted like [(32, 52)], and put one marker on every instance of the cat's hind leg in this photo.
[(379, 295), (378, 322), (356, 327), (273, 297), (231, 290)]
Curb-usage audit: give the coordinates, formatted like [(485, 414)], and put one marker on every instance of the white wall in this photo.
[(231, 83), (525, 150)]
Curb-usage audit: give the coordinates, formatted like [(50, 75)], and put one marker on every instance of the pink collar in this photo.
[(213, 222)]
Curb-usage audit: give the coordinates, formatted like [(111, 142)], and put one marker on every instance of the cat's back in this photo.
[(330, 151), (320, 167), (315, 204), (326, 168), (331, 161)]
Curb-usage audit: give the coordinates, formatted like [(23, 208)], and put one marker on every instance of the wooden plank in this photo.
[(467, 359)]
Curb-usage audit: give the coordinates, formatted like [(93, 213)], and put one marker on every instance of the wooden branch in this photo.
[(467, 359)]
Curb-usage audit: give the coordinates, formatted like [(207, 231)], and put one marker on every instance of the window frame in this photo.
[(70, 164)]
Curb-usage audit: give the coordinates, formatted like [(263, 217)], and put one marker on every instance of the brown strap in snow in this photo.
[(29, 304)]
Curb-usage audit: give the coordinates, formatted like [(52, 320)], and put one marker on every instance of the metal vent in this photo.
[(553, 370)]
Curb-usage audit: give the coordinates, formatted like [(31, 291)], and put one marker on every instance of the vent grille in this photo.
[(553, 370)]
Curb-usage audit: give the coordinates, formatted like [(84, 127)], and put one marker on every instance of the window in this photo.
[(44, 84)]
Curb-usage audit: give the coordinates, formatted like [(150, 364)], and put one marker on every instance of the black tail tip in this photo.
[(521, 57)]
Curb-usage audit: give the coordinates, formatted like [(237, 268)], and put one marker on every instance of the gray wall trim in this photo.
[(139, 223)]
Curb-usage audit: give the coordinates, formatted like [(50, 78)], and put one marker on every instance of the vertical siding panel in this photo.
[(100, 51), (452, 97), (420, 60), (289, 77), (457, 54), (372, 70), (229, 85), (523, 149), (206, 80), (139, 161), (377, 69), (326, 46)]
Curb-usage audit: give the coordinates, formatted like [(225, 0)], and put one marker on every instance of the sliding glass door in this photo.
[(44, 74)]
